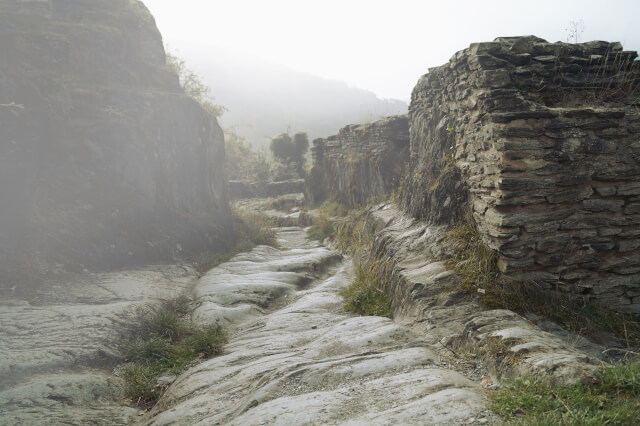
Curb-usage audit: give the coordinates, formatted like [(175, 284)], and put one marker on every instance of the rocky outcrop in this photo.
[(407, 252), (104, 161), (360, 163), (539, 143)]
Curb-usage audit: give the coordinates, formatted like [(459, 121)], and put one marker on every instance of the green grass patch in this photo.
[(611, 398), (165, 342), (333, 208), (322, 228), (477, 268), (366, 295)]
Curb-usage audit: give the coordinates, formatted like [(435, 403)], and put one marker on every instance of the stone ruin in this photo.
[(360, 163), (536, 143)]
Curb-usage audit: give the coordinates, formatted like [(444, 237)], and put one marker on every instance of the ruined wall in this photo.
[(104, 161), (540, 144), (361, 162)]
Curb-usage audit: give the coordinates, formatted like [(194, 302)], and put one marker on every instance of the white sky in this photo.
[(382, 46)]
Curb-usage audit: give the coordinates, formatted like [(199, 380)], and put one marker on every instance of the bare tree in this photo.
[(574, 30)]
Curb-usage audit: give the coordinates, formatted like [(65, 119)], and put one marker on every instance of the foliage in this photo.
[(333, 208), (291, 151), (165, 342), (612, 397), (284, 171), (193, 85), (242, 162), (366, 294), (477, 269), (322, 228)]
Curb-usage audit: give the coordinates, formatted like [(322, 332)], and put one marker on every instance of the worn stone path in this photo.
[(295, 357), (57, 350)]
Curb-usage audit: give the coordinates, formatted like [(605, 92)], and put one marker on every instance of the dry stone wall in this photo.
[(360, 163), (540, 144)]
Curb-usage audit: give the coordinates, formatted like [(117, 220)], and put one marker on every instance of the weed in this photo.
[(366, 295), (333, 208), (612, 397), (165, 342), (351, 234), (322, 228), (477, 268)]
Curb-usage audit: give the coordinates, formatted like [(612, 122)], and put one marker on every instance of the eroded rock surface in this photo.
[(295, 357), (57, 350)]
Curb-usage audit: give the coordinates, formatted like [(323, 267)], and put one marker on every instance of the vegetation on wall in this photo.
[(193, 85), (477, 268)]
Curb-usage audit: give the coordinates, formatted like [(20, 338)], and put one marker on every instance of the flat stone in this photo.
[(602, 205)]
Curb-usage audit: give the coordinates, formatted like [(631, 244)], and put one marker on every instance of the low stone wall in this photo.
[(540, 144), (243, 189), (361, 162)]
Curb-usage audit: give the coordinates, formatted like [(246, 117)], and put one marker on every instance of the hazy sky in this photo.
[(383, 46)]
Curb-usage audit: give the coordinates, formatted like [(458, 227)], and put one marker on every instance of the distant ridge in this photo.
[(264, 99)]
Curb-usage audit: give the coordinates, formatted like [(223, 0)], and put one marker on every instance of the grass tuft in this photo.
[(366, 295), (165, 343), (477, 268), (611, 398), (322, 228)]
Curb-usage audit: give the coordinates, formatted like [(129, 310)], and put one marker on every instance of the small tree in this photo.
[(242, 162), (291, 152), (574, 30)]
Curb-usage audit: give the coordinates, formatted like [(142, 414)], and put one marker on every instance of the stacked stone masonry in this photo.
[(544, 142), (360, 163)]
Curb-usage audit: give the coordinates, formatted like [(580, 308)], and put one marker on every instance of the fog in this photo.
[(115, 195), (377, 45)]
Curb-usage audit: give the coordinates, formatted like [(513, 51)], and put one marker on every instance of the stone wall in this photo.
[(243, 189), (360, 163), (540, 144), (104, 161)]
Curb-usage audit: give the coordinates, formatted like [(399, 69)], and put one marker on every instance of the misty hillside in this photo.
[(264, 99)]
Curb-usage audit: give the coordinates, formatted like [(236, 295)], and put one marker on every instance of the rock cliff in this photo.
[(104, 161)]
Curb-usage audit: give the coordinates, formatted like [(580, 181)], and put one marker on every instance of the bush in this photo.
[(290, 152)]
